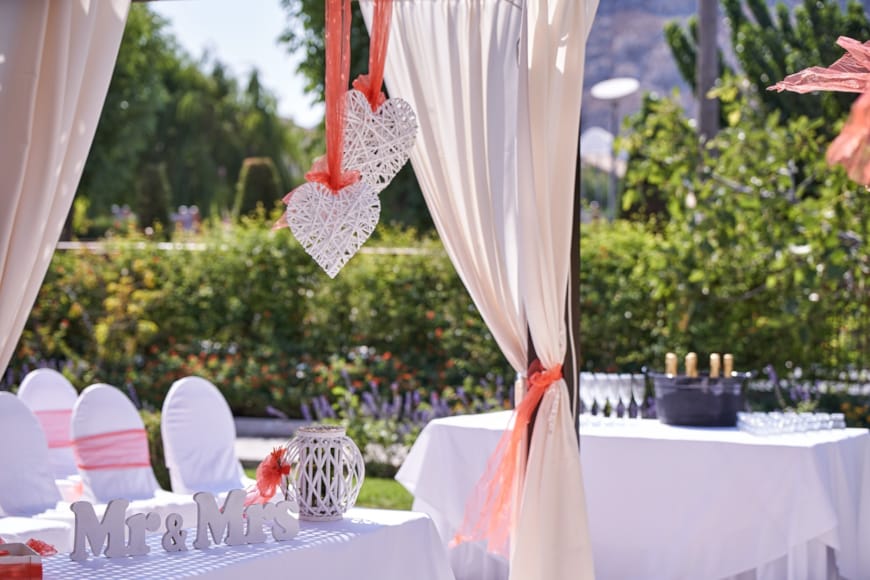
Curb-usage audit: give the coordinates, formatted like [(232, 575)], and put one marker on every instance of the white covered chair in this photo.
[(111, 449), (29, 499), (51, 397), (199, 437)]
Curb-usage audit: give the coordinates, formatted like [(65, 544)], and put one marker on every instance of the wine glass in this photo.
[(624, 392), (599, 394), (586, 395), (638, 391)]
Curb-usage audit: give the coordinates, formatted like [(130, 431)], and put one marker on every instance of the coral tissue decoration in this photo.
[(272, 474), (851, 73)]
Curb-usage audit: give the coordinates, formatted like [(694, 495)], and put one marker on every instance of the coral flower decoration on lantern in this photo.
[(270, 476), (851, 73)]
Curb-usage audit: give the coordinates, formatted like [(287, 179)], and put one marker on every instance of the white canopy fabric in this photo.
[(551, 538), (499, 123), (451, 60), (56, 61)]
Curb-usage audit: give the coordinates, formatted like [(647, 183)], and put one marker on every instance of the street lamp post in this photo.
[(613, 91)]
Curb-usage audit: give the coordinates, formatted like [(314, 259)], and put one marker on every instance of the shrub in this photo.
[(154, 195), (258, 184)]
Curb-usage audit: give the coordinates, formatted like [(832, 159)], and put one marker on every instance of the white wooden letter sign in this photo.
[(233, 525)]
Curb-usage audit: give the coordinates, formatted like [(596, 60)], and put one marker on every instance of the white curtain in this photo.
[(461, 65), (551, 539), (452, 61), (56, 61)]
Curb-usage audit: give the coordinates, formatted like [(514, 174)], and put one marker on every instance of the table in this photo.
[(366, 544), (680, 503)]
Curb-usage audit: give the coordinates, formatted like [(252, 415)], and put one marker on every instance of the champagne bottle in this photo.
[(714, 366), (692, 365), (729, 366), (671, 364)]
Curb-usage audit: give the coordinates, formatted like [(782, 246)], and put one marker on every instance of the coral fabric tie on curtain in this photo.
[(113, 450), (490, 510), (55, 425)]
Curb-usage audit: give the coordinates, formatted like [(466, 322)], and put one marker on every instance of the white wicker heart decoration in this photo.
[(377, 144), (332, 226)]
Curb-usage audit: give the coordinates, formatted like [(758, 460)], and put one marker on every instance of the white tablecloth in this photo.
[(367, 544), (681, 503)]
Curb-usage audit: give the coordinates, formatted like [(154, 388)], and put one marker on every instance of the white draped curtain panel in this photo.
[(56, 61), (497, 87), (551, 538), (451, 61)]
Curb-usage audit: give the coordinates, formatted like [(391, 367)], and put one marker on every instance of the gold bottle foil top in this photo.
[(691, 365), (671, 364), (714, 366), (729, 365)]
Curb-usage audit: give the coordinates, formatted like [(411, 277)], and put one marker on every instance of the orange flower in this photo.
[(270, 472)]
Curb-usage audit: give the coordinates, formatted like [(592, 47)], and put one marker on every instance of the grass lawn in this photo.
[(377, 492)]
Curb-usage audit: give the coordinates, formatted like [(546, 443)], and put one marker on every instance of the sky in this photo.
[(243, 35)]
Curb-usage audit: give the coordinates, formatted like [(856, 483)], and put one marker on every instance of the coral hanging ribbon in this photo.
[(370, 84), (112, 450), (489, 510), (328, 171), (55, 425)]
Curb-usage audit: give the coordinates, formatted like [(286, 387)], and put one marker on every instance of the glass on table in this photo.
[(624, 392), (586, 380), (638, 392)]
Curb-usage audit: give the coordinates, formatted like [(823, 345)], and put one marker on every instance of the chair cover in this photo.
[(199, 437), (102, 410), (48, 392), (26, 482)]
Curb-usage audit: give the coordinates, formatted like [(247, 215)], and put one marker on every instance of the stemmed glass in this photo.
[(612, 393), (586, 392), (638, 391), (624, 392), (599, 394)]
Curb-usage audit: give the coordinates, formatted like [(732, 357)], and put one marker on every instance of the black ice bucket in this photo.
[(699, 401)]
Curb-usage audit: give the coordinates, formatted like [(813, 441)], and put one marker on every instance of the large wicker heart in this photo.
[(333, 226), (377, 144)]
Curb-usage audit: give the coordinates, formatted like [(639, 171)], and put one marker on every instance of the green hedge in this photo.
[(773, 282), (253, 313)]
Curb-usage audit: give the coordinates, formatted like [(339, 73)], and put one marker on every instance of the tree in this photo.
[(768, 47), (129, 119), (190, 117), (153, 196), (258, 184)]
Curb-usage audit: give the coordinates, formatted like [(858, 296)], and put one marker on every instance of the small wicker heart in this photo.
[(377, 144), (333, 226)]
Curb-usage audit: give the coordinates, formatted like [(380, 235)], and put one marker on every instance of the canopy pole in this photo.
[(572, 306)]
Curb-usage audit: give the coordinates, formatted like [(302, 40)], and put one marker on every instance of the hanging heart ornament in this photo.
[(333, 226), (377, 144)]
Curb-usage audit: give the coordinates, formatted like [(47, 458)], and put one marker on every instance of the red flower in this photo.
[(270, 472)]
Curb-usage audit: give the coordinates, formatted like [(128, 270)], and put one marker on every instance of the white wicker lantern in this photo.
[(328, 471)]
